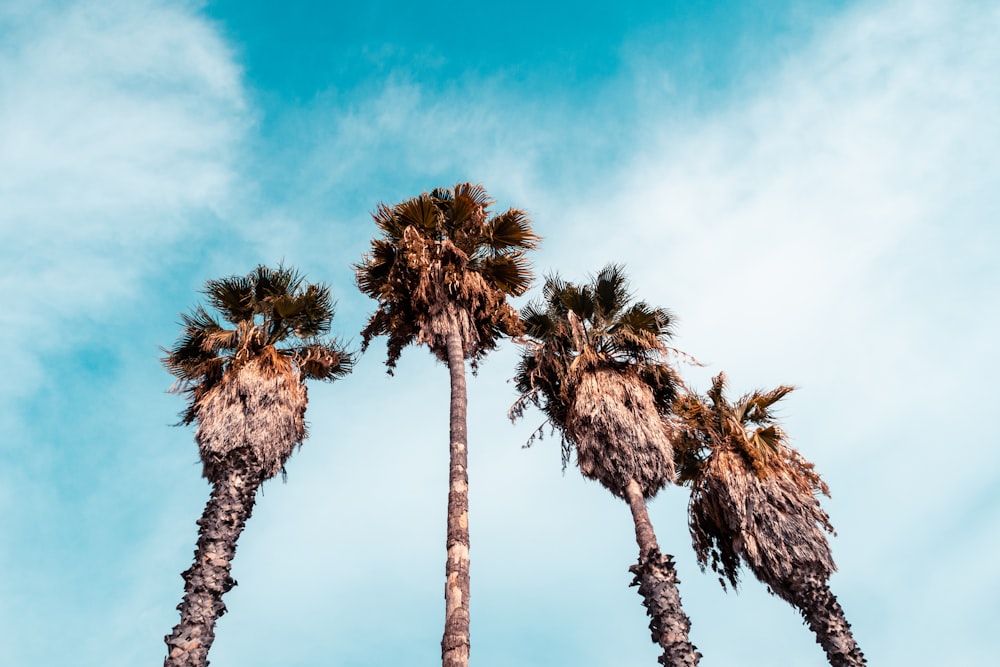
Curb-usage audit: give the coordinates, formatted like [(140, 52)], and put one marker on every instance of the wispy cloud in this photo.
[(119, 126), (828, 224)]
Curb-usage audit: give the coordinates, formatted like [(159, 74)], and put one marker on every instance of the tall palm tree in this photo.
[(441, 272), (594, 363), (245, 385), (754, 498)]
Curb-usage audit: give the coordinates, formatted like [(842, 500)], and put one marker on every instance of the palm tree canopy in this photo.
[(273, 317), (753, 495), (594, 364), (443, 262)]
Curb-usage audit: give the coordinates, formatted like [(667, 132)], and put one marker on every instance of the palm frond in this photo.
[(232, 296), (511, 274), (390, 224), (538, 323), (473, 192), (610, 291), (324, 360), (758, 404), (199, 322), (219, 340), (552, 291), (310, 314), (199, 340), (372, 273), (464, 212), (421, 213), (640, 329), (511, 230), (273, 283), (580, 300)]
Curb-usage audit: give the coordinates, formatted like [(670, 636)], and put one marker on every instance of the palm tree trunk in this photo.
[(811, 594), (455, 642), (657, 580), (225, 515)]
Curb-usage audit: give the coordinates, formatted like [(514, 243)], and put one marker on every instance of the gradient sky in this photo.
[(812, 188)]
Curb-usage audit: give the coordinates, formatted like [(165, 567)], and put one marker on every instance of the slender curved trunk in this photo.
[(812, 596), (455, 642), (657, 580), (225, 515)]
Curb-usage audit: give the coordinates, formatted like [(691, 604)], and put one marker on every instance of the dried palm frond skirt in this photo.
[(258, 406), (773, 522), (619, 434)]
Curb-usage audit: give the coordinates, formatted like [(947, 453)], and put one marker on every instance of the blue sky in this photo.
[(810, 187)]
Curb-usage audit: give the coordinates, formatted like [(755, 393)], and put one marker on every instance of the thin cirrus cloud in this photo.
[(828, 223), (833, 229), (824, 222), (120, 123)]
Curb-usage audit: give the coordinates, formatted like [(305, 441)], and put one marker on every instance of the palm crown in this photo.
[(442, 262), (578, 328), (594, 333), (752, 494), (271, 312)]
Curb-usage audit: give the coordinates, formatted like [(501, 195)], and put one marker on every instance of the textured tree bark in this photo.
[(225, 515), (645, 537), (818, 605), (455, 642), (657, 580)]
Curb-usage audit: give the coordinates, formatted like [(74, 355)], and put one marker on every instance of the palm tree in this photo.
[(754, 498), (441, 273), (245, 386), (594, 363)]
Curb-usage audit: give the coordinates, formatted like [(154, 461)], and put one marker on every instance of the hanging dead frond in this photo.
[(619, 433), (259, 408), (754, 498), (769, 522)]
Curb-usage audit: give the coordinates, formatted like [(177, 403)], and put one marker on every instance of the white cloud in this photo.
[(832, 225), (829, 225), (836, 229), (120, 128), (120, 123)]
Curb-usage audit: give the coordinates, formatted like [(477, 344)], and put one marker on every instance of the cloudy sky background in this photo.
[(812, 189)]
